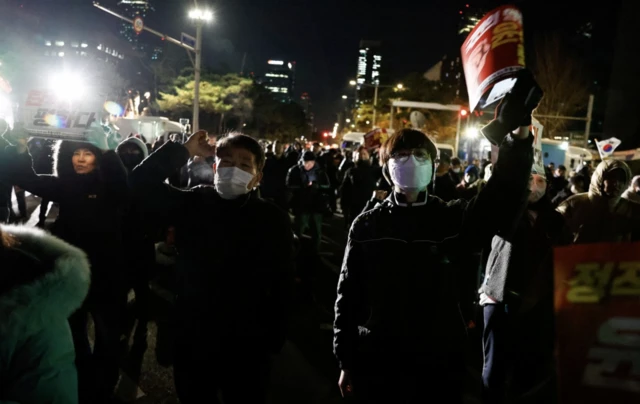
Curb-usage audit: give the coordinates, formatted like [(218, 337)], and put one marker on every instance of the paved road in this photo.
[(304, 372)]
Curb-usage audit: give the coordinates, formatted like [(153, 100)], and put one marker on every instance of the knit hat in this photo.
[(308, 156)]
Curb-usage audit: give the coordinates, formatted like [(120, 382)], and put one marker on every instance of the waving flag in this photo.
[(608, 146)]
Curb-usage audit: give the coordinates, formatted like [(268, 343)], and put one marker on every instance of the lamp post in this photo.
[(200, 17), (375, 95)]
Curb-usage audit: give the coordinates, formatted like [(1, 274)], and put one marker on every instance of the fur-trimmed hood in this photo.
[(63, 152), (53, 294)]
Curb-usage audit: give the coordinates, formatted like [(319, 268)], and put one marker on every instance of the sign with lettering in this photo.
[(597, 303), (492, 54), (46, 115)]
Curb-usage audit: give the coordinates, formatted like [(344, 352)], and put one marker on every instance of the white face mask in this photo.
[(411, 175), (456, 170), (231, 182)]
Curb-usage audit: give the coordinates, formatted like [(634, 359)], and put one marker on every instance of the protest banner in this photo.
[(492, 54), (375, 138), (597, 304)]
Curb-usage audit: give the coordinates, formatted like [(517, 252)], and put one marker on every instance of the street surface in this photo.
[(304, 372)]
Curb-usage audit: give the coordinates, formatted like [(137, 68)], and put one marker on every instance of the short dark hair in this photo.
[(407, 139), (361, 148), (237, 140), (444, 158), (455, 161), (561, 167)]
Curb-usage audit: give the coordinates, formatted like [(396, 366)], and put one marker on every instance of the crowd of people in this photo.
[(429, 242)]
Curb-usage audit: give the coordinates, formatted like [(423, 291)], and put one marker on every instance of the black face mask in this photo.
[(130, 161)]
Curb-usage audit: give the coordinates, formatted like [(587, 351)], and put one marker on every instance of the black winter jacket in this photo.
[(397, 290), (235, 263)]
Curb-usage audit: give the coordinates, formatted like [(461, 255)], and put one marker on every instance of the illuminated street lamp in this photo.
[(200, 17), (344, 97)]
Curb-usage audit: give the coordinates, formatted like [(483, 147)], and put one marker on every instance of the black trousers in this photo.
[(408, 378), (518, 354), (98, 370)]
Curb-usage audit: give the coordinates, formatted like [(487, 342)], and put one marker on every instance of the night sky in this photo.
[(322, 36)]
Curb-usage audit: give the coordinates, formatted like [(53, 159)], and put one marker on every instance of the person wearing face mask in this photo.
[(517, 300), (398, 333), (601, 214), (456, 170), (234, 267)]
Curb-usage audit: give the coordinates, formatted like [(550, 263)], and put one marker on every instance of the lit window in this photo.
[(59, 43), (47, 43), (61, 54), (74, 44), (83, 45), (99, 47)]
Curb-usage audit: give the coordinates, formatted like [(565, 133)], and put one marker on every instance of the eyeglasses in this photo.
[(420, 154)]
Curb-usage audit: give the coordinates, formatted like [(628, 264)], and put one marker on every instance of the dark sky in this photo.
[(322, 36)]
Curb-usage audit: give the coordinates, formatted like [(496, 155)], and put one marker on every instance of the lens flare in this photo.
[(54, 120), (113, 108)]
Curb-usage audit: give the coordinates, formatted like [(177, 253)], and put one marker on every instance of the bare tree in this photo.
[(564, 80)]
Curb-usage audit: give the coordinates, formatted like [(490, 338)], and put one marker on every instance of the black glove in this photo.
[(515, 108)]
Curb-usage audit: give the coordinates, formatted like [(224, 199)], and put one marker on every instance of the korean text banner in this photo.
[(492, 54), (597, 303), (45, 115)]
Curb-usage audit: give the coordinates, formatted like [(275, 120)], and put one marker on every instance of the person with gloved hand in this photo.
[(398, 333)]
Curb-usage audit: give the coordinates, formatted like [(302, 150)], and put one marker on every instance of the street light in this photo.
[(352, 83), (344, 97), (200, 17), (400, 86)]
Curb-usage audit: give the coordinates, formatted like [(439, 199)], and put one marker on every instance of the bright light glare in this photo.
[(204, 15), (400, 86), (347, 120), (564, 146), (473, 133), (352, 83), (67, 86), (344, 97)]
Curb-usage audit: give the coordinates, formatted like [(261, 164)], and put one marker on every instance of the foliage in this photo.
[(564, 81), (240, 103)]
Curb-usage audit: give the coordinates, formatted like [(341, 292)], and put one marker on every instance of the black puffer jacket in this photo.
[(397, 291), (91, 205)]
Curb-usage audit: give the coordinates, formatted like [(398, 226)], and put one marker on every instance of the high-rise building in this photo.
[(280, 79), (369, 69), (469, 18), (133, 9)]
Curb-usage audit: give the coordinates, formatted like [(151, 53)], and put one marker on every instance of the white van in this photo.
[(151, 127), (557, 152), (352, 140)]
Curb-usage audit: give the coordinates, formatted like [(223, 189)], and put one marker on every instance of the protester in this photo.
[(234, 266), (43, 280), (398, 335)]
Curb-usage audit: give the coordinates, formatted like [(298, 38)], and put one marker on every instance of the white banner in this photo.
[(46, 115)]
